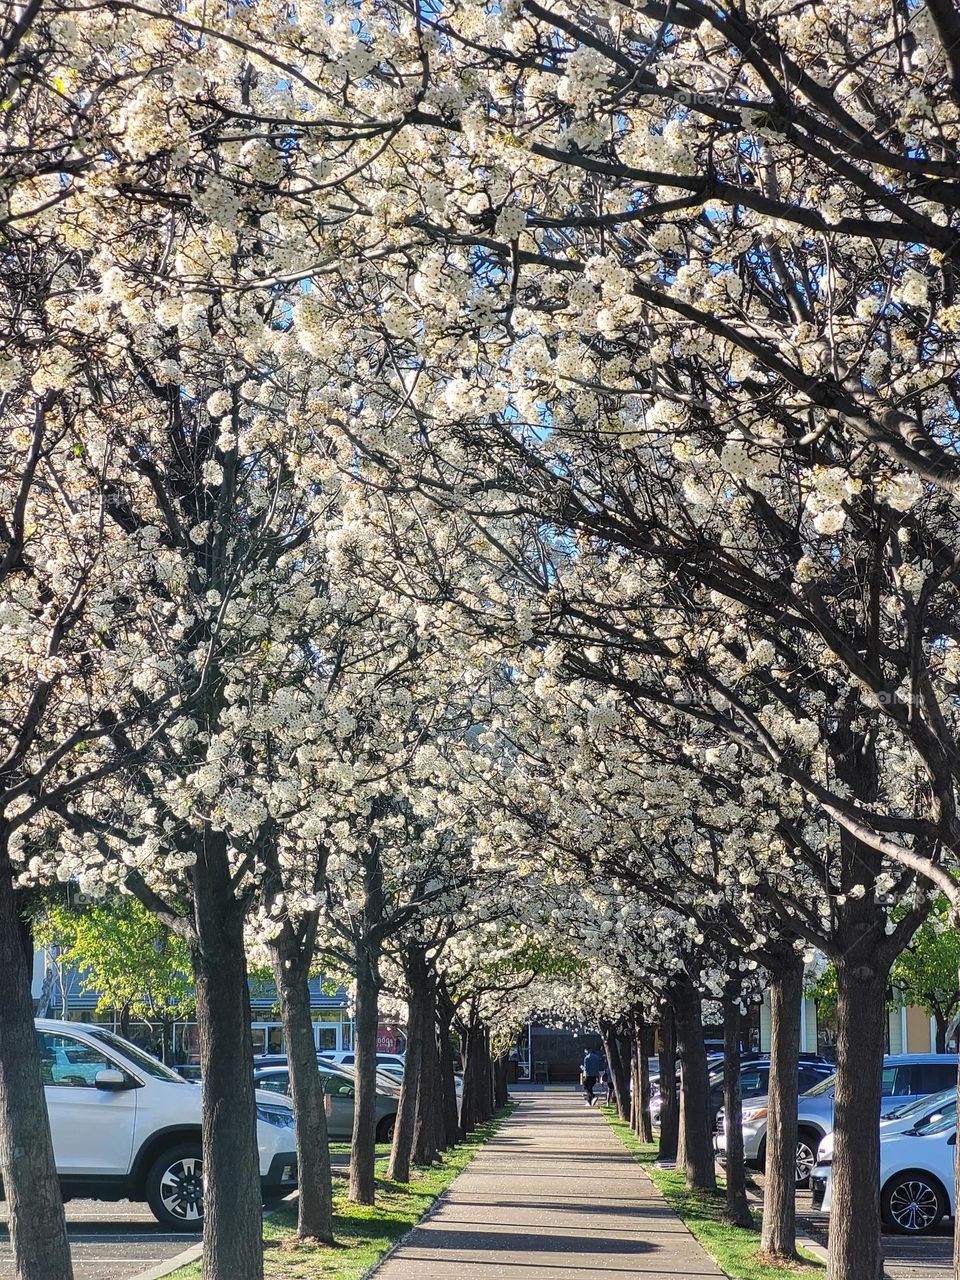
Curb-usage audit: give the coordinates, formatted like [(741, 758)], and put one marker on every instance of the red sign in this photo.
[(388, 1037)]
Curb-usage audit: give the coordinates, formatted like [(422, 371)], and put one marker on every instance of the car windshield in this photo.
[(825, 1086), (148, 1065), (944, 1125), (923, 1106)]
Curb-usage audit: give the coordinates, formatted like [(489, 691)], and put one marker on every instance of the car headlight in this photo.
[(279, 1117), (753, 1113)]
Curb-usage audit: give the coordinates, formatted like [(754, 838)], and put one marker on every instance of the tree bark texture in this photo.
[(778, 1233), (402, 1150), (363, 1145), (635, 1104), (486, 1101), (475, 1105), (855, 1244), (501, 1093), (448, 1087), (428, 1094), (38, 1232), (315, 1200), (619, 1068), (695, 1149), (737, 1210), (956, 1183), (644, 1045), (232, 1232), (940, 1023), (670, 1105)]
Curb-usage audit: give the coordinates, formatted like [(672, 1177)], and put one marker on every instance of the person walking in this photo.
[(589, 1072)]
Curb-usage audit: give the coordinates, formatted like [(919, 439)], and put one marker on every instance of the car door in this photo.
[(276, 1082), (896, 1086), (338, 1104), (809, 1076), (754, 1082), (932, 1077), (92, 1128)]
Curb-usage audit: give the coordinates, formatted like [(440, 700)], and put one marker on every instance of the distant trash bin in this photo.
[(541, 1071)]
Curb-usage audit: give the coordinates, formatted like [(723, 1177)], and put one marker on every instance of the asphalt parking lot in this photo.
[(110, 1241), (919, 1258), (907, 1258)]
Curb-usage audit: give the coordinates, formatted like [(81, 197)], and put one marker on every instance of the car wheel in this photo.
[(913, 1203), (807, 1144), (385, 1129), (175, 1188)]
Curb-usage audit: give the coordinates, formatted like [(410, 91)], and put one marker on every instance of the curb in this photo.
[(171, 1264), (371, 1274), (192, 1254), (804, 1241), (811, 1246)]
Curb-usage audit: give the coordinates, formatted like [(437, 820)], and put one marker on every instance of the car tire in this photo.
[(913, 1203), (174, 1188), (807, 1142), (385, 1129)]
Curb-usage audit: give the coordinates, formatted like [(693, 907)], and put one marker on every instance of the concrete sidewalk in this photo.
[(554, 1196)]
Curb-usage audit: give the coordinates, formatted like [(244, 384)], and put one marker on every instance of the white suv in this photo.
[(125, 1127), (392, 1062)]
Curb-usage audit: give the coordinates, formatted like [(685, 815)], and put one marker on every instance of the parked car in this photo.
[(906, 1077), (912, 1115), (714, 1075), (347, 1058), (917, 1185), (385, 1079), (754, 1080), (125, 1127), (339, 1090)]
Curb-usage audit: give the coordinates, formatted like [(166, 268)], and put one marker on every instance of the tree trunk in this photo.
[(619, 1070), (670, 1108), (166, 1037), (471, 1103), (38, 1231), (695, 1148), (233, 1222), (738, 1210), (363, 1147), (635, 1104), (855, 1246), (448, 1087), (501, 1094), (778, 1233), (940, 1023), (643, 1066), (291, 968), (402, 1150), (485, 1108), (428, 1100), (956, 1181)]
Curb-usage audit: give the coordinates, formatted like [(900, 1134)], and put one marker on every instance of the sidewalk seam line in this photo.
[(397, 1244)]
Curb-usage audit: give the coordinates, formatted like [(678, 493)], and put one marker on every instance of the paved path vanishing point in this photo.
[(554, 1196)]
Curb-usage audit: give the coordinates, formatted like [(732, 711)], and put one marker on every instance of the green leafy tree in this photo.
[(122, 951), (925, 974)]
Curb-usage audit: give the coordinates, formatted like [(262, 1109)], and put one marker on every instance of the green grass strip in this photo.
[(364, 1233), (734, 1249)]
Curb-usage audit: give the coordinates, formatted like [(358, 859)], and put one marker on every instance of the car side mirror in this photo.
[(111, 1081), (952, 1140)]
